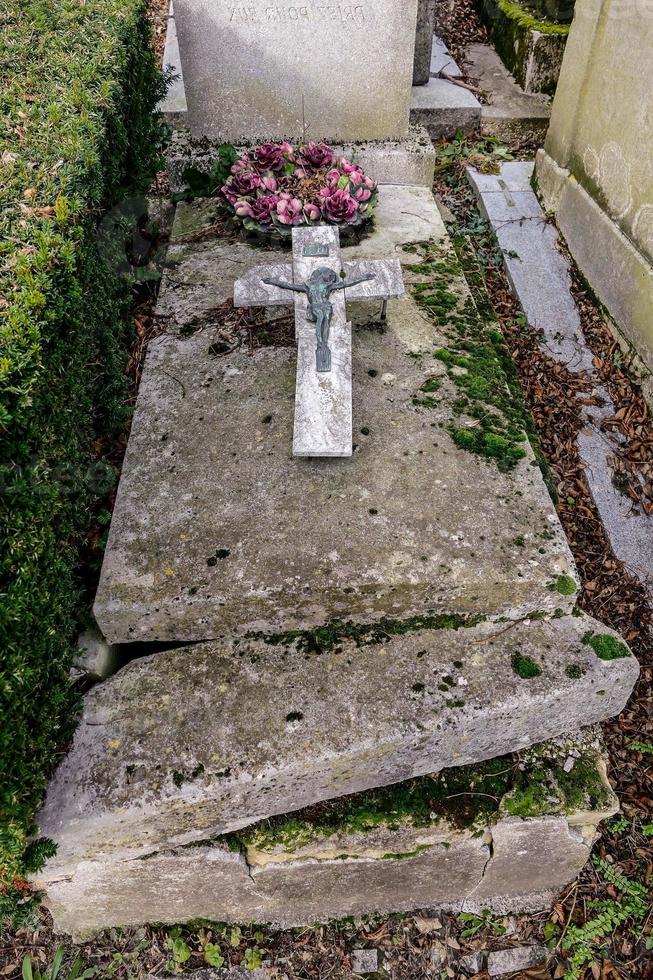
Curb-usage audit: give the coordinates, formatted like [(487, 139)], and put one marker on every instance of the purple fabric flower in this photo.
[(312, 212), (242, 163), (315, 156), (290, 210), (361, 194), (263, 206), (241, 184), (338, 206), (271, 156)]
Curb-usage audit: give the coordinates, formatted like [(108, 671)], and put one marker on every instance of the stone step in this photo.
[(190, 743), (508, 112), (506, 836), (442, 509), (443, 108)]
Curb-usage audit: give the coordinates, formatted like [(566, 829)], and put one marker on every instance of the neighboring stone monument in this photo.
[(323, 404), (595, 171)]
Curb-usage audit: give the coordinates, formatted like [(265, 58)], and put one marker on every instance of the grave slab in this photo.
[(194, 742), (538, 273), (205, 539), (262, 71), (540, 276), (300, 872)]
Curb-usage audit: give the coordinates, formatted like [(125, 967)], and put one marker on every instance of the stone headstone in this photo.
[(261, 70), (424, 41)]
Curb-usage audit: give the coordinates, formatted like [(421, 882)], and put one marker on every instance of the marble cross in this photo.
[(323, 392)]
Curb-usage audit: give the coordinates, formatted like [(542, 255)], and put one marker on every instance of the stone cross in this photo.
[(323, 399)]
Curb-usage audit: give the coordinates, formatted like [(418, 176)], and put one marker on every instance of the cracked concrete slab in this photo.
[(190, 743), (441, 60), (538, 273), (508, 864)]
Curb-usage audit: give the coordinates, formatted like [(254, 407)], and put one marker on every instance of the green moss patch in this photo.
[(462, 796), (564, 584), (490, 411), (547, 788), (331, 635), (525, 667), (467, 798), (527, 20), (606, 647)]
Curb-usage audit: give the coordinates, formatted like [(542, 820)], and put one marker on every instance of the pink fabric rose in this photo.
[(262, 208), (271, 156), (290, 210), (338, 206)]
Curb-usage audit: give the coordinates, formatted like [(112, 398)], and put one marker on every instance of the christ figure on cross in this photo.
[(318, 288)]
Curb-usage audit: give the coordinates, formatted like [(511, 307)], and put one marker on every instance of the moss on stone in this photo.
[(574, 672), (477, 362), (467, 798), (605, 646), (519, 14), (485, 311), (548, 788), (462, 796), (564, 584), (403, 855), (525, 667), (330, 636), (527, 43)]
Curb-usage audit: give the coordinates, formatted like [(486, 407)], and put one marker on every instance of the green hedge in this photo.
[(78, 86)]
